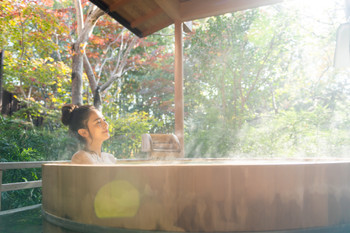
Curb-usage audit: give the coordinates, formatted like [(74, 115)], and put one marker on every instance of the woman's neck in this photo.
[(94, 147)]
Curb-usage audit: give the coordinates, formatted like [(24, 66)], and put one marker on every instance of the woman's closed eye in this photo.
[(99, 121)]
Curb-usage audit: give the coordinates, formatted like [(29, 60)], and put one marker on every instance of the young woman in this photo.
[(90, 127)]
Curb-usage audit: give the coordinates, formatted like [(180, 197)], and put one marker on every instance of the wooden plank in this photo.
[(171, 8), (116, 5), (157, 27), (196, 9), (22, 165), (13, 211), (157, 11), (146, 143), (21, 185), (19, 165)]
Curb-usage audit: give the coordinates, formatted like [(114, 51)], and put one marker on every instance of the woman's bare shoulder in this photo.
[(81, 157)]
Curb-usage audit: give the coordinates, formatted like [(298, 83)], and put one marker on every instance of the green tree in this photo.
[(232, 68), (28, 29), (250, 71)]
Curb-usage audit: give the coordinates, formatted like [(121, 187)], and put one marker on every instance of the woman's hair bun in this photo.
[(67, 113)]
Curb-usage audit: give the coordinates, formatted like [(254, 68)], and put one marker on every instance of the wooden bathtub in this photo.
[(198, 196)]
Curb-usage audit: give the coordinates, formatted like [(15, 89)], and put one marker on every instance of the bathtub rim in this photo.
[(212, 162)]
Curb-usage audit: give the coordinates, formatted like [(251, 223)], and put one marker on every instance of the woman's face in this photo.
[(98, 127)]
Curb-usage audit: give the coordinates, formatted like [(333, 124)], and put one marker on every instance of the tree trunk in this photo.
[(97, 99), (274, 104), (81, 62), (90, 74), (77, 75), (78, 48)]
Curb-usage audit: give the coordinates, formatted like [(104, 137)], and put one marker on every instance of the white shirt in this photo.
[(105, 158), (85, 157)]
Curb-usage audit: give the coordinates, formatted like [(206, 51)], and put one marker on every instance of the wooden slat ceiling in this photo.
[(144, 17)]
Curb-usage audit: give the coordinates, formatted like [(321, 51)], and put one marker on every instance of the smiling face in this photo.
[(97, 128)]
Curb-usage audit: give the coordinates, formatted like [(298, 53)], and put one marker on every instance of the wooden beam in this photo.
[(157, 11), (21, 185), (179, 101), (196, 9), (20, 165), (157, 27), (171, 8), (117, 4), (17, 210)]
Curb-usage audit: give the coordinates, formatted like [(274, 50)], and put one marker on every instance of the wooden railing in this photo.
[(20, 185)]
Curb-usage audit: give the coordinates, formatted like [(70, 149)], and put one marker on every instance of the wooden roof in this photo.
[(144, 17)]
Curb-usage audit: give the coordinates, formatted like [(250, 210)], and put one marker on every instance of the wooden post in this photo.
[(179, 101), (1, 78)]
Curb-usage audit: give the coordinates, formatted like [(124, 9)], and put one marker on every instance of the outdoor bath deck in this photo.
[(30, 221)]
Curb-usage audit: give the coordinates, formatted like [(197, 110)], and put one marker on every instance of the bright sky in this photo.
[(318, 7)]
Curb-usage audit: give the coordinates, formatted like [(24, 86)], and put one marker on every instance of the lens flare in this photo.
[(117, 199)]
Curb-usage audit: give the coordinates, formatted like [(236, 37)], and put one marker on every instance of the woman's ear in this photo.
[(83, 132)]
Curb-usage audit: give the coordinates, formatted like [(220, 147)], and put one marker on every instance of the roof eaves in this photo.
[(103, 6)]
